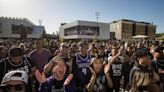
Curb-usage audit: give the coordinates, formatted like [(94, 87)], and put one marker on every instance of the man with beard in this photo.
[(17, 61)]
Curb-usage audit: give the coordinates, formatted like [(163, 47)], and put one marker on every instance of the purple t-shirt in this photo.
[(41, 59)]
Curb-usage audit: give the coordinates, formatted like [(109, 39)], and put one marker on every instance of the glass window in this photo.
[(15, 29), (82, 30)]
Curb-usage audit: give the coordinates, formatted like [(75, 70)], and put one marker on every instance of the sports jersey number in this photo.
[(84, 70), (116, 73)]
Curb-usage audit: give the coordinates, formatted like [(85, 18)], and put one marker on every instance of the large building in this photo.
[(122, 30), (126, 29), (19, 28), (84, 30)]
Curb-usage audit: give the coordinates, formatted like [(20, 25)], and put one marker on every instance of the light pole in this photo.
[(97, 17), (97, 29)]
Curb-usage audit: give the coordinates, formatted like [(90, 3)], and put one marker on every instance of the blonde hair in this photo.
[(56, 59), (141, 78)]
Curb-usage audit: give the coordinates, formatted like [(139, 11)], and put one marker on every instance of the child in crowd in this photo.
[(99, 79), (58, 82)]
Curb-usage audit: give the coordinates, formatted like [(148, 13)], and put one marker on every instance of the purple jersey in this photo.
[(82, 68)]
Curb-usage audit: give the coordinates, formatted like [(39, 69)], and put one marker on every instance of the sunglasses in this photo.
[(17, 88)]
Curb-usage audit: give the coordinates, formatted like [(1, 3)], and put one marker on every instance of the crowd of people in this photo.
[(102, 66)]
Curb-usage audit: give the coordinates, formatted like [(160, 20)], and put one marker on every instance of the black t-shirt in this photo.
[(154, 66), (6, 66), (116, 69), (58, 84)]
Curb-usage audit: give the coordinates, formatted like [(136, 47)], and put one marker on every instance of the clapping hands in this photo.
[(41, 77)]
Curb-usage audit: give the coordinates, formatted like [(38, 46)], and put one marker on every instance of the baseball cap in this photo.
[(15, 75), (16, 51)]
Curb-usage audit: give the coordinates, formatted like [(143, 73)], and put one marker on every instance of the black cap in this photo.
[(15, 51)]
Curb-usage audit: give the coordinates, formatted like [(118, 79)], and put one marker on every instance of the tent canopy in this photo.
[(140, 36)]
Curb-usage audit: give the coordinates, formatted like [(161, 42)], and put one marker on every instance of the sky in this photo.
[(54, 12)]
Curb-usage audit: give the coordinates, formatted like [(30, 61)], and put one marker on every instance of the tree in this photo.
[(23, 32)]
